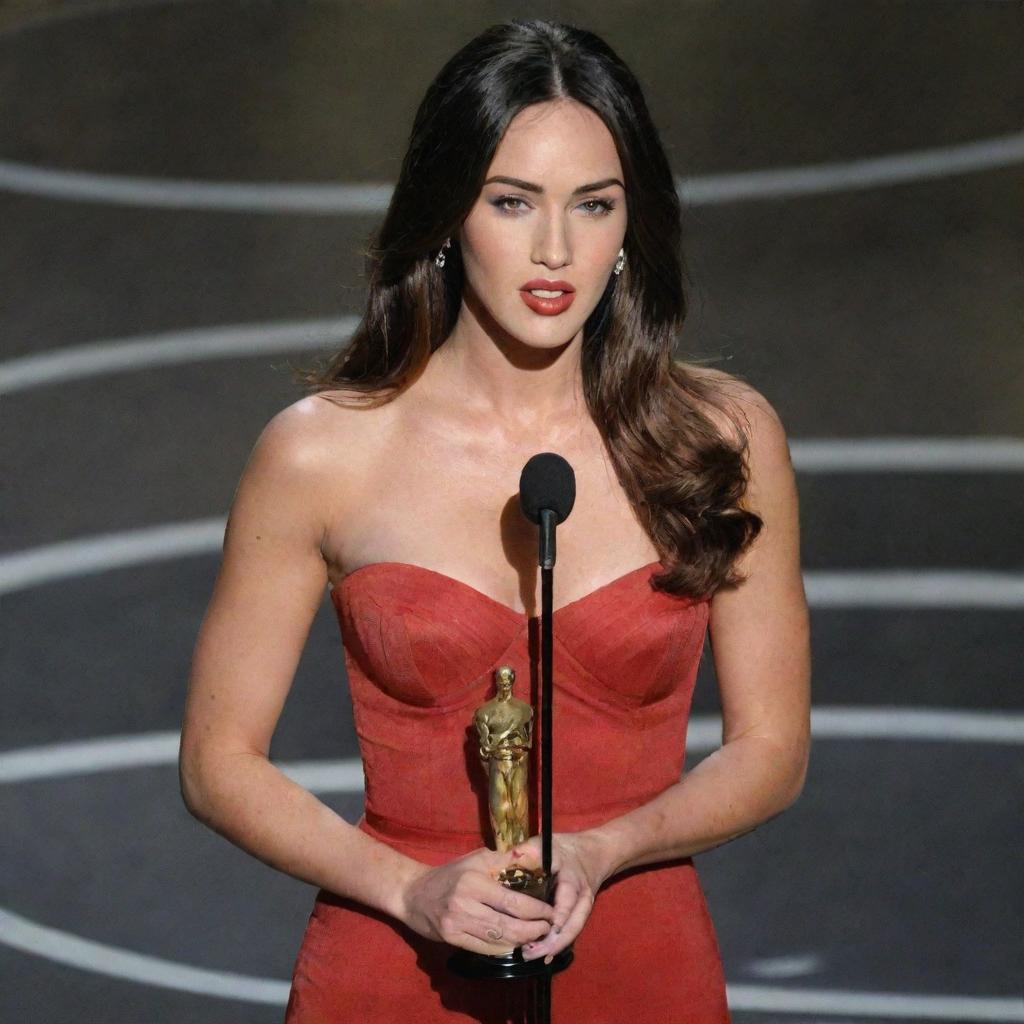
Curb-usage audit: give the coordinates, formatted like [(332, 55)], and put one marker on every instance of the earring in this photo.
[(439, 259), (620, 262)]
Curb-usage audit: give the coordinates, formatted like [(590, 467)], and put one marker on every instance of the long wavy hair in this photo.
[(682, 476)]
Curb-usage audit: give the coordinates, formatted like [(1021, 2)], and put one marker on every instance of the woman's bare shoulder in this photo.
[(738, 404), (322, 425), (771, 487), (319, 449)]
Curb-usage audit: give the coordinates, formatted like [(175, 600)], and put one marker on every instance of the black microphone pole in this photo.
[(547, 563), (547, 491)]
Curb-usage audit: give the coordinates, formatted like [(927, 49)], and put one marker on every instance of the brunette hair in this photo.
[(682, 476)]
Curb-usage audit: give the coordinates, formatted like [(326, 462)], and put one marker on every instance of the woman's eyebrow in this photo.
[(528, 186)]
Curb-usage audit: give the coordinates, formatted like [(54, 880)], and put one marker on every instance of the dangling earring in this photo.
[(620, 262), (439, 259)]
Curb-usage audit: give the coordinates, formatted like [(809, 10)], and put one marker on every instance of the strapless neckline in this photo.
[(366, 571)]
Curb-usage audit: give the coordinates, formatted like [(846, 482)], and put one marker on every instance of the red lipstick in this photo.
[(548, 306)]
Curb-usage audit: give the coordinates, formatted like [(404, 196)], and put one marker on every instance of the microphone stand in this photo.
[(557, 488), (548, 521), (547, 562), (547, 490)]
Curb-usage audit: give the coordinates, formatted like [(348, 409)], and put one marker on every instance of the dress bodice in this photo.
[(421, 648)]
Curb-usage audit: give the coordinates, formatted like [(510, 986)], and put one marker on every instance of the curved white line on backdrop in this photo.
[(373, 197), (27, 936), (812, 455), (180, 194), (908, 588), (915, 588), (149, 750), (909, 455), (100, 552), (60, 946), (703, 733), (917, 1006), (868, 172), (121, 355), (791, 965)]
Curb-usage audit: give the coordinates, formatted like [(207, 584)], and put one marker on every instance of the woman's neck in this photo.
[(520, 385)]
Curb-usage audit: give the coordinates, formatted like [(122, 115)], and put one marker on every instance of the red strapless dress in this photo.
[(421, 648)]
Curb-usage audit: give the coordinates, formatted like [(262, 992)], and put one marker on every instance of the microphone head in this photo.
[(547, 481)]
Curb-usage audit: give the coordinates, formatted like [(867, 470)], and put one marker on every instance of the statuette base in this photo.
[(506, 965)]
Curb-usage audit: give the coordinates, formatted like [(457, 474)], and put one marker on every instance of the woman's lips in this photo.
[(548, 307)]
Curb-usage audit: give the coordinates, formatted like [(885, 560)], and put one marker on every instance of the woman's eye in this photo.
[(500, 203), (599, 206)]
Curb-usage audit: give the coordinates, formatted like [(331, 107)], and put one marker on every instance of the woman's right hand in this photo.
[(463, 903)]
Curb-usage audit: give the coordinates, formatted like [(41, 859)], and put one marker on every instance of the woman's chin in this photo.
[(539, 348)]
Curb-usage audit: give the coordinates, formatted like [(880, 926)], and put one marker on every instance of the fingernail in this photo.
[(549, 958)]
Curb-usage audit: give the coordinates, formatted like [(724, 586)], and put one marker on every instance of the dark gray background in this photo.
[(873, 310)]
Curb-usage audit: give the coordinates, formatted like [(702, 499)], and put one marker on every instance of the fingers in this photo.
[(567, 893), (516, 904), (485, 910), (499, 929), (487, 932), (569, 921)]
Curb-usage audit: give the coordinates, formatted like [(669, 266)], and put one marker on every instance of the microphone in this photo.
[(547, 492)]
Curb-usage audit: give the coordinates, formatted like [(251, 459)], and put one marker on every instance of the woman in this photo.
[(525, 295)]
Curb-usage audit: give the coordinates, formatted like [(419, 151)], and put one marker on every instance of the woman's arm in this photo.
[(268, 589), (760, 638)]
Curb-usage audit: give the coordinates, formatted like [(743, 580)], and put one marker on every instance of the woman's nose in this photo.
[(552, 246)]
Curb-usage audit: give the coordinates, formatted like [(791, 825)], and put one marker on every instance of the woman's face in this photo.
[(558, 216)]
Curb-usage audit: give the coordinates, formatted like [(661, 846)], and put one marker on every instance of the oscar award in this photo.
[(504, 725)]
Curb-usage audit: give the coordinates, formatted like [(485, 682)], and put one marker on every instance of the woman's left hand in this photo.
[(579, 864)]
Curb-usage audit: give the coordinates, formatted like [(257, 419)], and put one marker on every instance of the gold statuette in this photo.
[(505, 727)]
